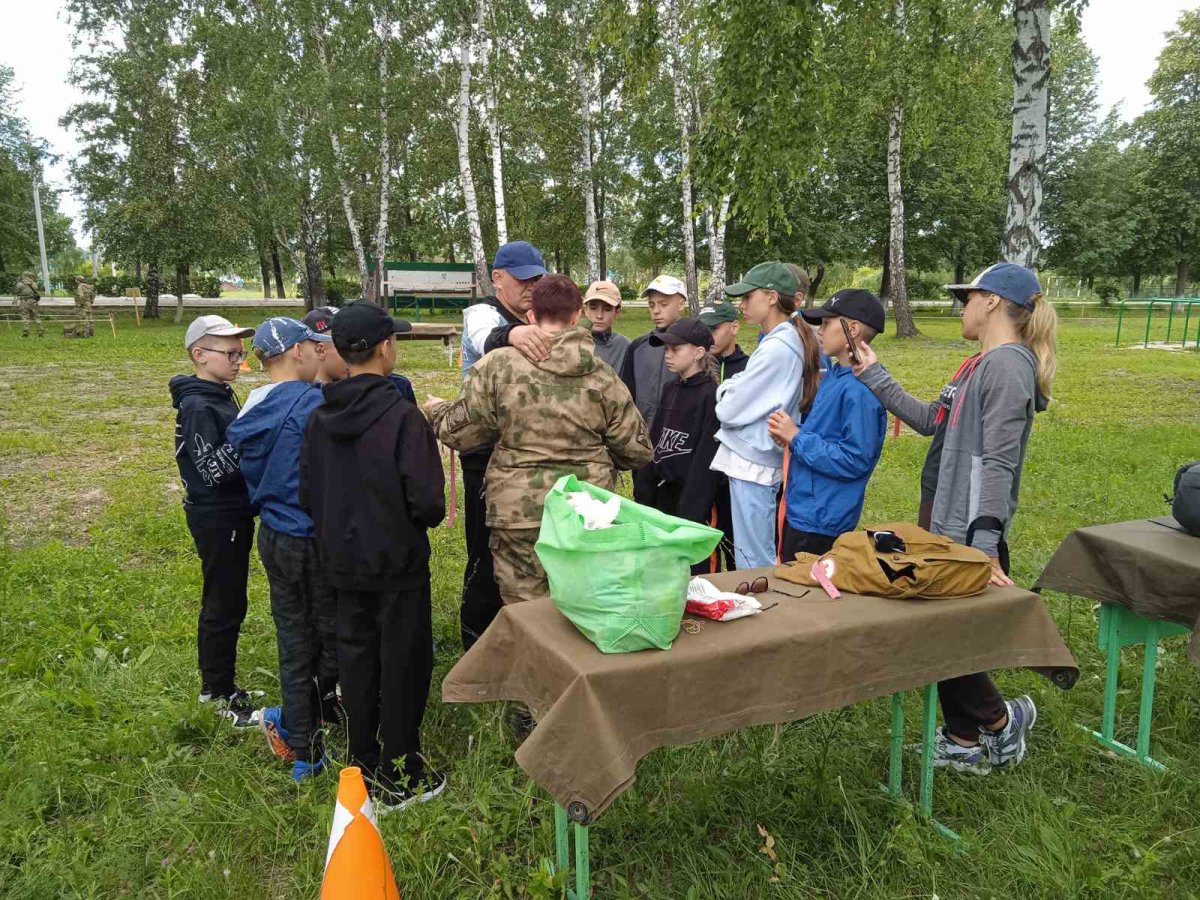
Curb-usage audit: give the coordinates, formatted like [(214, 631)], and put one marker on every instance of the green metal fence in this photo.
[(1173, 305)]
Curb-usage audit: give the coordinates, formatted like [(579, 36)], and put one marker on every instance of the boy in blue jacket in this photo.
[(836, 449), (268, 434)]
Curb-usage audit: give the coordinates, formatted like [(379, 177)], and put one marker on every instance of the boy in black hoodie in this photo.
[(371, 477), (217, 507), (679, 481)]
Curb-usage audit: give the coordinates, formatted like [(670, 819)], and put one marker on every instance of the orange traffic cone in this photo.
[(357, 864)]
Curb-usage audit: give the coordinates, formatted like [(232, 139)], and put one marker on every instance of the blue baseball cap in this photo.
[(520, 259), (279, 334), (1014, 283)]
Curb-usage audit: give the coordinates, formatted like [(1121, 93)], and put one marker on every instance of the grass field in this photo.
[(113, 782)]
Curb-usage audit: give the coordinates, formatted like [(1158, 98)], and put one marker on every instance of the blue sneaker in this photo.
[(948, 753), (302, 769), (1006, 747), (270, 719)]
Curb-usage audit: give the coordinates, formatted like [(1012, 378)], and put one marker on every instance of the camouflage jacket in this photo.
[(567, 415), (84, 293), (26, 289)]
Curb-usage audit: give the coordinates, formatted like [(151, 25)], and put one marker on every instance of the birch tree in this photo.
[(489, 112), (683, 121), (897, 283), (1027, 152), (583, 78), (462, 134)]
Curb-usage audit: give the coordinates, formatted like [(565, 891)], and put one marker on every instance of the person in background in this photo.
[(333, 367), (27, 298), (722, 320), (499, 321), (217, 506), (602, 305), (645, 369), (833, 454), (980, 426), (779, 376)]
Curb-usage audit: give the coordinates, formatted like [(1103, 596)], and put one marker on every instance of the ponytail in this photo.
[(1038, 328), (811, 350)]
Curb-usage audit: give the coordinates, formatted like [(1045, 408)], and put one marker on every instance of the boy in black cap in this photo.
[(679, 481), (836, 449), (371, 477)]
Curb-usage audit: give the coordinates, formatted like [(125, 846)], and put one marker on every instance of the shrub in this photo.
[(339, 290), (1107, 292)]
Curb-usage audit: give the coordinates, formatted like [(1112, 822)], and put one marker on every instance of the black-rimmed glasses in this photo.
[(234, 356)]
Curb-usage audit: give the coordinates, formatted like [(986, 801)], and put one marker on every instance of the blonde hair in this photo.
[(1039, 329)]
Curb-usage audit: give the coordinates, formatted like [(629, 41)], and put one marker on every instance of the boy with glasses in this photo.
[(216, 504)]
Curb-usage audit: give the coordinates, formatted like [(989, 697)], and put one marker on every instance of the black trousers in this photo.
[(480, 594), (725, 525), (385, 661), (304, 607), (803, 542), (224, 550), (970, 702)]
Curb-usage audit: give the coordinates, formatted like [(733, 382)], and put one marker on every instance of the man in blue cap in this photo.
[(497, 321), (267, 435)]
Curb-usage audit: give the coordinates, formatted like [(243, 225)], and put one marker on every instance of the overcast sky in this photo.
[(1125, 34)]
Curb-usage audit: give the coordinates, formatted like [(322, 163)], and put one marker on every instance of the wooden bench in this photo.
[(410, 286)]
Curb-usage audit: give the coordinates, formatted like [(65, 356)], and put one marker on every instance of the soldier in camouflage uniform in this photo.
[(85, 294), (565, 415), (27, 302)]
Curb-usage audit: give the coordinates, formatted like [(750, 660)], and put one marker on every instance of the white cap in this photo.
[(217, 326), (666, 284)]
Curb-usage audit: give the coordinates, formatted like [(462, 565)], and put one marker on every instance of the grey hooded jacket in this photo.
[(991, 407)]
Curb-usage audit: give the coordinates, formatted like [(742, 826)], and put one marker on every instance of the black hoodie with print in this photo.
[(371, 478), (212, 482), (679, 480), (732, 364)]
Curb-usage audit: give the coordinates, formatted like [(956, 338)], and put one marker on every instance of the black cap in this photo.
[(320, 319), (363, 324), (683, 331), (852, 303)]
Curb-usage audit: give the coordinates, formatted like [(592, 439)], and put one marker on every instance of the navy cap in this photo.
[(851, 303), (520, 259), (279, 334), (1014, 283), (362, 324), (683, 331), (320, 319)]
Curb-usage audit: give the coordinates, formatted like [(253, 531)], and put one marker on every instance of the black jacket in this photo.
[(371, 478), (679, 481), (645, 373), (212, 482), (733, 364)]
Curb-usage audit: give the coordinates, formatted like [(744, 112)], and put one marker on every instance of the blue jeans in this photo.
[(753, 523)]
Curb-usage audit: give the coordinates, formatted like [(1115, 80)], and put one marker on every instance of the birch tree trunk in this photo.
[(491, 122), (310, 239), (1027, 151), (584, 80), (360, 255), (905, 327), (385, 163), (683, 122), (715, 224), (462, 134)]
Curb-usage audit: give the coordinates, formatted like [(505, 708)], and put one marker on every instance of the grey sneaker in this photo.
[(237, 707), (1006, 748), (948, 753)]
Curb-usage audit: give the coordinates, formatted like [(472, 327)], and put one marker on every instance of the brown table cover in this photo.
[(1149, 566), (599, 714)]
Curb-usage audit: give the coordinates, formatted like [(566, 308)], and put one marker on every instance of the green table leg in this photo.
[(1119, 627), (928, 728), (896, 762), (582, 887)]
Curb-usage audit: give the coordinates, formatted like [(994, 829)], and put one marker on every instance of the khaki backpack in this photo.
[(929, 567)]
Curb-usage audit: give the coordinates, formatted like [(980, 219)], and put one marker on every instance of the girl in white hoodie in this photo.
[(782, 374)]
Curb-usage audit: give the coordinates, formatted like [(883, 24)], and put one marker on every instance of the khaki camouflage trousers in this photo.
[(83, 326), (519, 572), (30, 315)]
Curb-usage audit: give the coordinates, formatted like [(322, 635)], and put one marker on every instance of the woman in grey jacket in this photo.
[(980, 427)]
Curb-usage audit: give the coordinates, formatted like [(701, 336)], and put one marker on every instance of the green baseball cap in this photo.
[(717, 313), (771, 276)]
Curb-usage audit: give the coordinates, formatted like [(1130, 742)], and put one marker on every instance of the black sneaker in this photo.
[(238, 707), (423, 789)]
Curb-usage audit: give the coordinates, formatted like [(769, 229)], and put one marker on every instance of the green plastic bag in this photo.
[(624, 587)]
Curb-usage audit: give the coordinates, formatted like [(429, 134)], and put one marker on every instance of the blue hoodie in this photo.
[(771, 380), (268, 435), (834, 455)]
